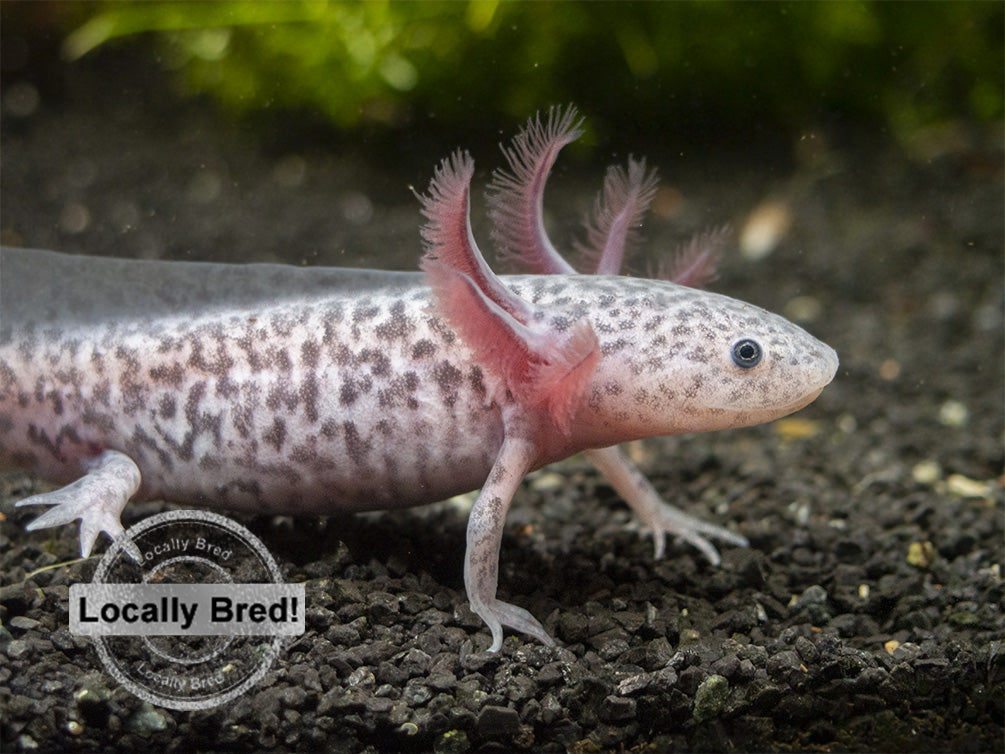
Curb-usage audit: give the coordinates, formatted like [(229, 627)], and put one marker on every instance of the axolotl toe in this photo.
[(272, 388)]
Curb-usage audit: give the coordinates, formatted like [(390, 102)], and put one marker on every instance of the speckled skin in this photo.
[(276, 389), (302, 407), (361, 401)]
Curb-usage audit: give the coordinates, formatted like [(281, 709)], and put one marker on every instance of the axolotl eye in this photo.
[(746, 353)]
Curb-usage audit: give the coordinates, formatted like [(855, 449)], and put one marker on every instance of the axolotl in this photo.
[(272, 388)]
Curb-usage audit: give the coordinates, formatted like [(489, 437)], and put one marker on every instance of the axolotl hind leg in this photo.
[(658, 516), (97, 499)]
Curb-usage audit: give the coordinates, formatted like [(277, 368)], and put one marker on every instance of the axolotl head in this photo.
[(676, 359), (602, 358)]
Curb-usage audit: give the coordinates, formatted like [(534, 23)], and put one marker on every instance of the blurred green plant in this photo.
[(726, 65)]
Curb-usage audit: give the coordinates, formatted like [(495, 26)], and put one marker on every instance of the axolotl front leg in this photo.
[(485, 530), (97, 499), (516, 197), (542, 376)]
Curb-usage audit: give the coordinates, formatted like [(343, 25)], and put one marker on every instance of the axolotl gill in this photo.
[(274, 388)]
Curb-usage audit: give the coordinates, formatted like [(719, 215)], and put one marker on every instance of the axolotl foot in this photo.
[(657, 516), (97, 499), (497, 614)]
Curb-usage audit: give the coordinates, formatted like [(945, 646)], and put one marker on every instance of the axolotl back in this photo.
[(307, 391)]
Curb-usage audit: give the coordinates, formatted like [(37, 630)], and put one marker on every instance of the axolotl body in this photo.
[(272, 388)]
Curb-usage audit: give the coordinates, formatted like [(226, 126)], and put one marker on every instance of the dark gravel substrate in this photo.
[(866, 615)]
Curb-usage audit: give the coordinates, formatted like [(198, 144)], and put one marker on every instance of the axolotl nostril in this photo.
[(272, 388)]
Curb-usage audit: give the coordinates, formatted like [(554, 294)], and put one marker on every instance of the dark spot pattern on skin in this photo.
[(692, 390), (26, 348), (226, 388), (209, 463), (72, 377), (167, 407), (448, 378), (329, 324), (242, 418), (247, 343), (173, 374), (275, 398), (476, 379), (166, 345), (705, 332), (698, 354), (102, 392), (380, 363), (361, 314), (343, 357), (614, 346), (40, 438), (57, 402), (283, 324), (310, 354), (132, 388), (398, 391), (279, 359), (203, 358), (496, 477), (653, 322), (390, 397), (306, 454), (351, 389), (397, 326), (423, 348), (355, 446), (197, 422), (363, 311), (329, 429), (440, 327), (412, 382), (310, 392), (102, 422), (276, 434), (7, 377)]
